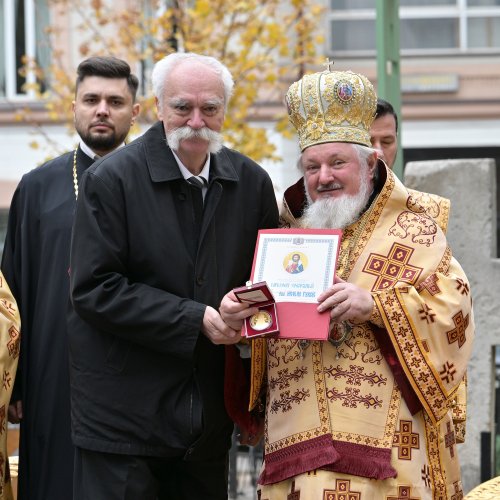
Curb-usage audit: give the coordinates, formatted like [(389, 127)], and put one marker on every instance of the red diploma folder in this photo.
[(297, 265)]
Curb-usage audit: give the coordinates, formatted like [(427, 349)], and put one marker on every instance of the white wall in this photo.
[(17, 157), (441, 133)]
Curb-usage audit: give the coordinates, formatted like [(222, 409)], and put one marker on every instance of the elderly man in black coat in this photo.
[(164, 228)]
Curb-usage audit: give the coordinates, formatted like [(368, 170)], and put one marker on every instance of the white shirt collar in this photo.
[(205, 171), (91, 153)]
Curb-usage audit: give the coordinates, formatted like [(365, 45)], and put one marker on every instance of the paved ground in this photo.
[(243, 475)]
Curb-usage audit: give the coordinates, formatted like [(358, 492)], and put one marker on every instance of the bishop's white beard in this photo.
[(214, 139), (336, 213)]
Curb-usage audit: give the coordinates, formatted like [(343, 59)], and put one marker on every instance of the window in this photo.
[(352, 35), (351, 4), (416, 3), (483, 32), (22, 25), (426, 27), (485, 3), (429, 33)]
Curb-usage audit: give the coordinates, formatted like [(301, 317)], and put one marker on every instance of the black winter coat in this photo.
[(144, 379)]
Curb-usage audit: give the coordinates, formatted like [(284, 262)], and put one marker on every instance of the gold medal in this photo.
[(261, 321)]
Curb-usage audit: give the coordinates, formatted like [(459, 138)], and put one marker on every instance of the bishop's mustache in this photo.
[(329, 187)]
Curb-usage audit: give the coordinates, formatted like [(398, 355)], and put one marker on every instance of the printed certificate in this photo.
[(297, 264)]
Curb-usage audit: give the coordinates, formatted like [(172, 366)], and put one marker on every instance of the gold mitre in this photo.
[(332, 106)]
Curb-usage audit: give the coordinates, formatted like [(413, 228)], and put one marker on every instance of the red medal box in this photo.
[(265, 322)]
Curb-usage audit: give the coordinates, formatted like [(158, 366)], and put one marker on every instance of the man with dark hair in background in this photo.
[(384, 132), (35, 263)]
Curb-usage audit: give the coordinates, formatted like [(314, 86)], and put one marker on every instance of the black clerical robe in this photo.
[(35, 264)]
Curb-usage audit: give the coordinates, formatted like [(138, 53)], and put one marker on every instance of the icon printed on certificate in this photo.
[(295, 262), (261, 321)]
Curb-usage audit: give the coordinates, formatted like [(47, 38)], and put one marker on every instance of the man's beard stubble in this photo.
[(99, 142), (214, 139), (336, 213)]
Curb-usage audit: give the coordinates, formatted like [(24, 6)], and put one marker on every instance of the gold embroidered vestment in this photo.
[(377, 411)]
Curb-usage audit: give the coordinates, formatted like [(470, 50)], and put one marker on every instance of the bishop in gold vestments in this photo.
[(375, 412), (10, 324)]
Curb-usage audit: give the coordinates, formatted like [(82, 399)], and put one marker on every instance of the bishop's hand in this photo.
[(347, 301)]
